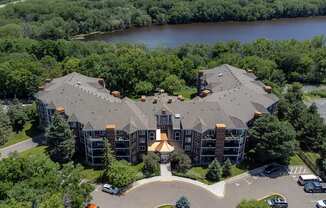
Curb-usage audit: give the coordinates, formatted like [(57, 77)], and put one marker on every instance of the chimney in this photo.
[(204, 93), (155, 100), (116, 94), (257, 114), (48, 80), (161, 91), (250, 71), (110, 127), (60, 109), (101, 82), (110, 134), (143, 98), (268, 89), (220, 137), (180, 97), (41, 88), (170, 100)]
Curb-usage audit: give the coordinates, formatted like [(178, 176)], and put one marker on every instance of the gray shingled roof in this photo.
[(235, 96)]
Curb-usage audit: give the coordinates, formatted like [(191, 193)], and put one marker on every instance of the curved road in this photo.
[(249, 187)]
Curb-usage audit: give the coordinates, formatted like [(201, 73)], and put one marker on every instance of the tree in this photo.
[(143, 88), (183, 202), (227, 168), (214, 172), (151, 164), (172, 83), (272, 140), (121, 174), (60, 139), (108, 154), (5, 127), (252, 204), (180, 162), (18, 116)]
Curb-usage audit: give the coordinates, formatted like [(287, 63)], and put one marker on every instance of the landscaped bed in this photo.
[(166, 206)]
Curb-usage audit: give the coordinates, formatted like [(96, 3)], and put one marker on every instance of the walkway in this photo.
[(20, 147), (166, 176)]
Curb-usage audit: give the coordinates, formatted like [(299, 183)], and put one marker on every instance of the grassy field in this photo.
[(199, 173), (296, 160), (23, 135), (33, 151)]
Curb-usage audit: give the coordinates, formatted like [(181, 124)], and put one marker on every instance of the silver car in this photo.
[(110, 189)]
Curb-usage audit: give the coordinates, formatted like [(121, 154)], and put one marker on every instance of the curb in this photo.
[(274, 193), (14, 145)]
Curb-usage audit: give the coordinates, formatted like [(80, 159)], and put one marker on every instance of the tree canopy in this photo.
[(272, 140), (38, 179)]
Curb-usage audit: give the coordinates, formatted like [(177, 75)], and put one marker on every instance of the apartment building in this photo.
[(212, 125)]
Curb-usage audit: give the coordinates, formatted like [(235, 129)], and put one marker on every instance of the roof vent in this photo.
[(180, 97), (101, 82), (177, 115), (47, 80), (155, 100), (161, 91), (220, 75), (143, 98), (170, 100), (250, 71)]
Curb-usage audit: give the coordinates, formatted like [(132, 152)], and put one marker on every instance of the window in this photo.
[(176, 135), (141, 132), (142, 148), (187, 147), (151, 135), (142, 140), (188, 139), (188, 132)]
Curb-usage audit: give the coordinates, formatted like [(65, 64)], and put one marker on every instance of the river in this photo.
[(176, 35)]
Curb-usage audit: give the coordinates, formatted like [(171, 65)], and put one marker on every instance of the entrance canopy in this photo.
[(162, 145)]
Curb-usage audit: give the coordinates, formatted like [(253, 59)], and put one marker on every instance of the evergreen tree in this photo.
[(180, 161), (183, 202), (227, 168), (60, 139), (108, 155), (214, 172), (5, 128)]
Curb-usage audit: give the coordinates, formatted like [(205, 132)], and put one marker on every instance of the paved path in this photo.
[(20, 147), (166, 170)]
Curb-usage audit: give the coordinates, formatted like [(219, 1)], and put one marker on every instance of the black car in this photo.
[(272, 169), (277, 202), (315, 187)]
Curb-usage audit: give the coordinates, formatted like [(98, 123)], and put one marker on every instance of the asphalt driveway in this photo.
[(248, 187)]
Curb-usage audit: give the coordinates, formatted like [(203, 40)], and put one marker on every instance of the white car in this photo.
[(110, 189), (321, 204)]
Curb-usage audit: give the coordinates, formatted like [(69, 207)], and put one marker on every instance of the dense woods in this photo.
[(135, 70), (57, 19)]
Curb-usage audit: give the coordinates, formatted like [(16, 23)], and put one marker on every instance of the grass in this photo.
[(199, 173), (91, 174), (23, 135), (296, 160), (187, 92), (312, 156), (33, 151)]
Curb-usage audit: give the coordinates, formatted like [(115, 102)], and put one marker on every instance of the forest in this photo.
[(136, 70), (57, 19)]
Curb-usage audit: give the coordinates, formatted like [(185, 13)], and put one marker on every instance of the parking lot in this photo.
[(248, 187), (282, 182)]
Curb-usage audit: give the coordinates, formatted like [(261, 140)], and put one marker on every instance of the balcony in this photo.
[(231, 143), (122, 144), (208, 151), (208, 143), (231, 151)]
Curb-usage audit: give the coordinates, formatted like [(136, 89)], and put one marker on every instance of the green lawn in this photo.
[(187, 92), (91, 174), (199, 173), (33, 151), (23, 135), (313, 156), (296, 160)]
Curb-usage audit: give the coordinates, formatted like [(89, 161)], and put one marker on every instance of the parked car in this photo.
[(277, 202), (315, 187), (110, 189), (273, 168), (303, 179), (321, 204)]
